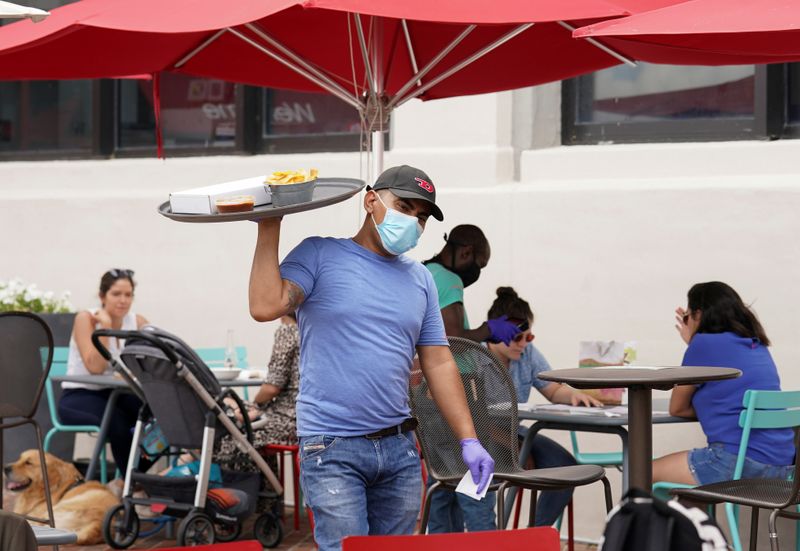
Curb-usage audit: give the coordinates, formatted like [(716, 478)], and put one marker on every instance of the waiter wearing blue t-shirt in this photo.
[(364, 309)]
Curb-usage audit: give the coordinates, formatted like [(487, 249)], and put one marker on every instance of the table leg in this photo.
[(640, 427), (102, 435), (2, 462), (626, 470)]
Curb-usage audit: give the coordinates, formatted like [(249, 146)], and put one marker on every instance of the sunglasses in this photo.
[(120, 272), (521, 336)]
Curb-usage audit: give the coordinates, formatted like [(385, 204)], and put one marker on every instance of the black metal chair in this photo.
[(492, 401), (763, 409), (26, 352)]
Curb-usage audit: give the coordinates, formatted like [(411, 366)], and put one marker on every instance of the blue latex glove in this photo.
[(502, 330), (478, 460)]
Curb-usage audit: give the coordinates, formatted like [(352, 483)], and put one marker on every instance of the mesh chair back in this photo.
[(492, 402), (179, 410), (26, 352)]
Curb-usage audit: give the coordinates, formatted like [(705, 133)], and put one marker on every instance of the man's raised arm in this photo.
[(270, 296)]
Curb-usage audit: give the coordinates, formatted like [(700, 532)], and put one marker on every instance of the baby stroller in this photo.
[(183, 396)]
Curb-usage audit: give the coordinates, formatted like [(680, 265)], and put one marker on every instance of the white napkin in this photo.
[(469, 488)]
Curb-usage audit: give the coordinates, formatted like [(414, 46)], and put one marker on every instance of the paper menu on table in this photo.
[(579, 410), (623, 410), (469, 488), (646, 367)]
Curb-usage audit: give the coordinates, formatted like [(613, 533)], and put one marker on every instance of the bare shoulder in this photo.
[(141, 321), (84, 315), (84, 319)]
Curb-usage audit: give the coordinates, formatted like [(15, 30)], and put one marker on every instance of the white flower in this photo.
[(15, 295)]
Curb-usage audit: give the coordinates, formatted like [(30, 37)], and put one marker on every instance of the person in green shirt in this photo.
[(458, 265)]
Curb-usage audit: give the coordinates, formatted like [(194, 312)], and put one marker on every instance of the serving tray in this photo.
[(328, 191)]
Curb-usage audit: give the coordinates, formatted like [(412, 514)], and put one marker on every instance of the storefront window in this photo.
[(663, 92), (38, 116), (195, 113), (288, 113), (793, 94)]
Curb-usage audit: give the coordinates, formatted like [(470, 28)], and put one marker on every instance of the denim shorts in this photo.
[(716, 464)]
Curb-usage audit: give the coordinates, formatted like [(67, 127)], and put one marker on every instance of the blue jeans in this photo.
[(358, 486), (451, 514), (548, 453), (716, 464), (81, 406)]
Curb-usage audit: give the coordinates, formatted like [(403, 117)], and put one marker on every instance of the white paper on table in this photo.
[(469, 488), (643, 367), (623, 410), (579, 410)]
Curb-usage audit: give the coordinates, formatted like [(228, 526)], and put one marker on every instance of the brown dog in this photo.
[(77, 506)]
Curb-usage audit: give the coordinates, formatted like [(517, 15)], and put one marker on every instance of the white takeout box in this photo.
[(203, 200)]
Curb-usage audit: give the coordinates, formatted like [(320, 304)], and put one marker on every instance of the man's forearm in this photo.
[(479, 334), (448, 392), (266, 285)]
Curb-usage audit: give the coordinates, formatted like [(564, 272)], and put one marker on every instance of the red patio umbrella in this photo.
[(707, 32), (374, 55)]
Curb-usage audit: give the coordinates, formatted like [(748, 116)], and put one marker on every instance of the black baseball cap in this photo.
[(409, 183)]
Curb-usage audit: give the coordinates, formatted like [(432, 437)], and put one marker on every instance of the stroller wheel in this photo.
[(227, 532), (268, 530), (196, 529), (120, 531)]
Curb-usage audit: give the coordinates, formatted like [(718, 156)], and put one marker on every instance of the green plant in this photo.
[(15, 295)]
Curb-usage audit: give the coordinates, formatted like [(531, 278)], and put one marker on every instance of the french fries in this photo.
[(291, 176)]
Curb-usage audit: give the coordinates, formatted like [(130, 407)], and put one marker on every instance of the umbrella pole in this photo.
[(376, 140), (378, 80)]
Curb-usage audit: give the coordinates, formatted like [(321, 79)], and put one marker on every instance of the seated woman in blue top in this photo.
[(722, 331), (525, 362)]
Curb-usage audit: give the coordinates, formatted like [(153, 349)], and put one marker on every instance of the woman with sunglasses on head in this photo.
[(721, 331), (84, 404), (525, 363)]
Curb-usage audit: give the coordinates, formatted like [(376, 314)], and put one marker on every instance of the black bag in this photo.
[(642, 522)]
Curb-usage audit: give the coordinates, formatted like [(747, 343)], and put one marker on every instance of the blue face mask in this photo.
[(399, 232)]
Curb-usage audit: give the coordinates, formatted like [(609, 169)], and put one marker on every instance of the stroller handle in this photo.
[(126, 334)]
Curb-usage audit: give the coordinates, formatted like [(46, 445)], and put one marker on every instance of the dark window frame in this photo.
[(249, 139), (769, 121)]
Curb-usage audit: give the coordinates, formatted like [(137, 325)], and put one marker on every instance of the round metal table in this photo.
[(640, 382)]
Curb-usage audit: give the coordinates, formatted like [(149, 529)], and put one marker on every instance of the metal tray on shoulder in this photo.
[(328, 191)]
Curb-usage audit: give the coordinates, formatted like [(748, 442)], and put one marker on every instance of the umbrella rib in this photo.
[(398, 97), (596, 43), (297, 59), (199, 49), (400, 100), (410, 47), (365, 54), (334, 90)]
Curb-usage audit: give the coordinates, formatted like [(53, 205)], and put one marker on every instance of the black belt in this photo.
[(407, 425)]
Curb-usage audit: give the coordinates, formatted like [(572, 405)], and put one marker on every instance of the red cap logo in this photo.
[(427, 186)]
